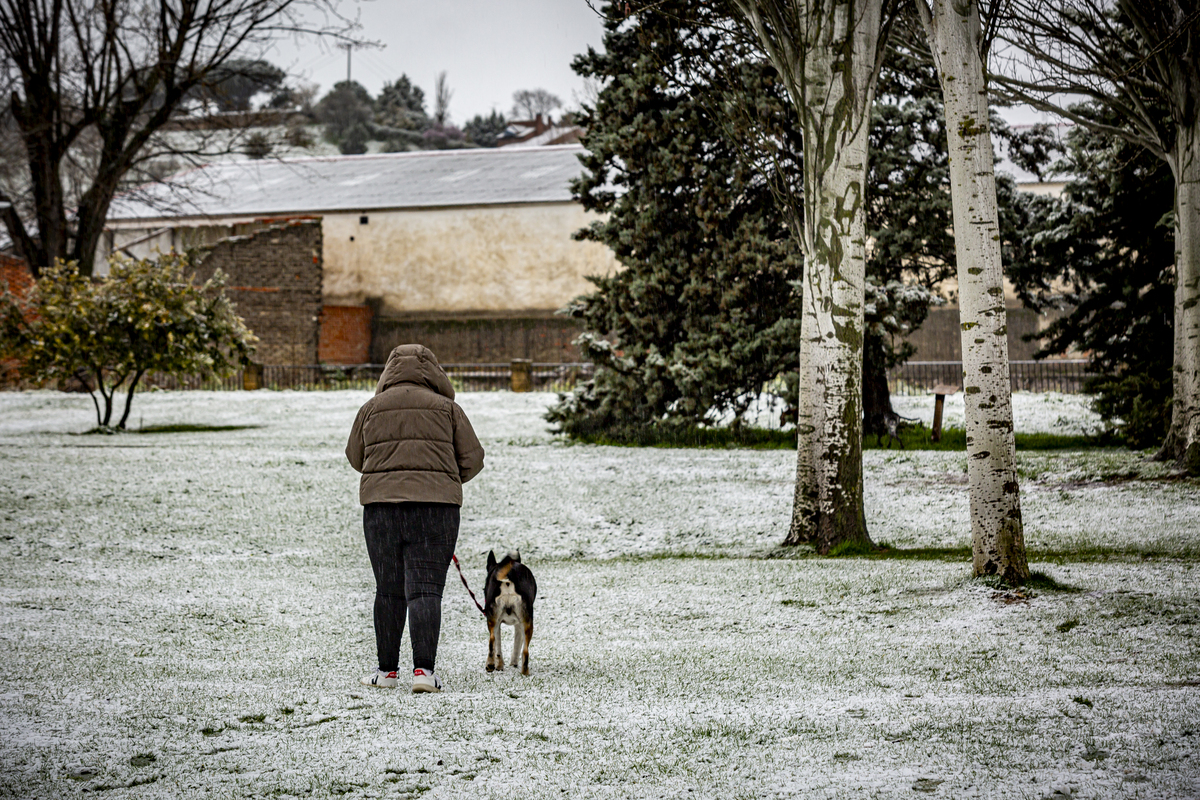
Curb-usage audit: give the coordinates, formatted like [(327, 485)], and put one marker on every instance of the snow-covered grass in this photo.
[(198, 604)]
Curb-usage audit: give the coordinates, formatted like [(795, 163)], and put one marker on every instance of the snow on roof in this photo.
[(547, 137), (483, 176)]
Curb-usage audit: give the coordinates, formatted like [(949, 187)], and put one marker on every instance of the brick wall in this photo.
[(274, 278), (486, 340), (16, 278), (345, 335)]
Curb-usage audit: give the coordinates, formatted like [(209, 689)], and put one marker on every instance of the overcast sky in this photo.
[(488, 48)]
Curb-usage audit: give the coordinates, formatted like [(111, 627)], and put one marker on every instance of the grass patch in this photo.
[(857, 548), (693, 437), (916, 437), (185, 428), (1046, 583), (108, 430)]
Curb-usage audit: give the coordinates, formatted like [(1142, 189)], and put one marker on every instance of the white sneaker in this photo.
[(379, 679), (425, 681)]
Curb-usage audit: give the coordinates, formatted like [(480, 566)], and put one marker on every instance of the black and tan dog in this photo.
[(508, 600)]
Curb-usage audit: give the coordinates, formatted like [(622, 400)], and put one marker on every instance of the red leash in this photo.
[(458, 567)]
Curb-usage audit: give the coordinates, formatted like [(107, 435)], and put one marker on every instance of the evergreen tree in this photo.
[(483, 131), (347, 106), (698, 195), (401, 105), (704, 310), (1105, 252)]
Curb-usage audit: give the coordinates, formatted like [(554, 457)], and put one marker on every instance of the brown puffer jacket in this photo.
[(411, 441)]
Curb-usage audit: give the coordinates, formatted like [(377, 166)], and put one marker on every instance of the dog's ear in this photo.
[(491, 565), (515, 555)]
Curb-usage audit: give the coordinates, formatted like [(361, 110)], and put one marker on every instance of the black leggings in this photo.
[(410, 545)]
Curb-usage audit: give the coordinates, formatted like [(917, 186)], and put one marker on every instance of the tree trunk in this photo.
[(836, 81), (827, 53), (1183, 440), (997, 531), (108, 399), (878, 415), (137, 376), (806, 502)]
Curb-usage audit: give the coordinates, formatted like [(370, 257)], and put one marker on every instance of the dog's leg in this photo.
[(493, 646), (518, 635), (527, 637)]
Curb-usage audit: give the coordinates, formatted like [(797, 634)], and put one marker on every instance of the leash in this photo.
[(458, 567)]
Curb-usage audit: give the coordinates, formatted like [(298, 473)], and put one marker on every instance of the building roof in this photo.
[(425, 179)]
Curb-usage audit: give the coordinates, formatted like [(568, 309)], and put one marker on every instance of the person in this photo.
[(415, 449)]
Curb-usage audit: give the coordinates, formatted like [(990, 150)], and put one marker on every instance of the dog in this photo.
[(508, 600)]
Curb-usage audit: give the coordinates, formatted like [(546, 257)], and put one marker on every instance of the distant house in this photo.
[(467, 251), (538, 132)]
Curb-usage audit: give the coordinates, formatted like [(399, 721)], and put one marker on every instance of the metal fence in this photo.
[(915, 377), (1067, 376), (547, 377)]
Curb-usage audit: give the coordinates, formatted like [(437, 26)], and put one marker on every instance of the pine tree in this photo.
[(1105, 252), (704, 310)]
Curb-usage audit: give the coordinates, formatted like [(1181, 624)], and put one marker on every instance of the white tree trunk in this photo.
[(997, 531), (1183, 440), (825, 50)]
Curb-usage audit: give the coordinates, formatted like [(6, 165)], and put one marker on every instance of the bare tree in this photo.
[(530, 103), (828, 54), (959, 43), (441, 100), (1141, 60), (97, 82)]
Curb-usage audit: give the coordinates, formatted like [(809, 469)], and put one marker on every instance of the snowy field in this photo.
[(187, 614)]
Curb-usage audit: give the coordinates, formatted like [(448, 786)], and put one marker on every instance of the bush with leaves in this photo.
[(144, 316)]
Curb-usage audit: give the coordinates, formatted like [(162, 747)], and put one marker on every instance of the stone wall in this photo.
[(481, 340), (274, 278)]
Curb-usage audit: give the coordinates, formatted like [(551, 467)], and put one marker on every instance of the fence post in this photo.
[(522, 375), (252, 375)]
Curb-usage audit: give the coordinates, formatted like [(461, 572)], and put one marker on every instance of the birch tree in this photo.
[(1136, 58), (828, 54), (959, 44)]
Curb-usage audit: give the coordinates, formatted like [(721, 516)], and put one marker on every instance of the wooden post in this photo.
[(939, 402), (252, 376), (522, 375)]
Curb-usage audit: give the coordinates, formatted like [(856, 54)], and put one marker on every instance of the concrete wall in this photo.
[(491, 259), (274, 278)]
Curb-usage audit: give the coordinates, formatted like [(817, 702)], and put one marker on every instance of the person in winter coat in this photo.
[(415, 449)]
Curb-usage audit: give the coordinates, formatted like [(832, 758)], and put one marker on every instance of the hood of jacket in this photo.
[(414, 363)]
